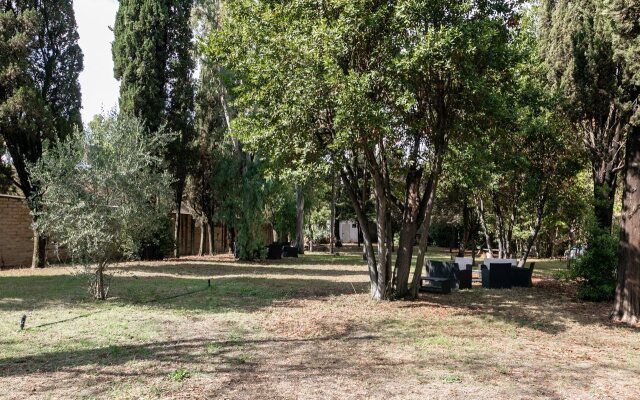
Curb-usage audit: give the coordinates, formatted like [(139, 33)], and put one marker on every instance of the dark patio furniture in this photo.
[(522, 276), (441, 269), (433, 284), (464, 277), (497, 276), (289, 251), (274, 251), (440, 277)]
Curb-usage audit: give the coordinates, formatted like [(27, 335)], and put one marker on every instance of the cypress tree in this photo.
[(626, 22), (152, 54), (40, 95), (139, 59), (578, 50)]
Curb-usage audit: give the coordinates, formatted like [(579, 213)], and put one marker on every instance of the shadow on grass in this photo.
[(221, 355), (26, 293), (547, 307), (275, 267)]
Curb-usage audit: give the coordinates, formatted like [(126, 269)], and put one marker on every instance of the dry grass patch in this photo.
[(302, 329)]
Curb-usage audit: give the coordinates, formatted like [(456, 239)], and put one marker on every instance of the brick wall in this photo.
[(16, 236)]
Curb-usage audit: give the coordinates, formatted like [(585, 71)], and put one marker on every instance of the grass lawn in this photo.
[(303, 329)]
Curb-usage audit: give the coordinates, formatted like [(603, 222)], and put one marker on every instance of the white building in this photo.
[(348, 231)]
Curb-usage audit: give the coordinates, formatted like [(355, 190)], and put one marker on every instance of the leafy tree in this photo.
[(103, 193), (382, 85), (577, 46), (40, 61), (153, 60), (626, 23)]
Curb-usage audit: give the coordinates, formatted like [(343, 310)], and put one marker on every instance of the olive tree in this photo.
[(104, 193)]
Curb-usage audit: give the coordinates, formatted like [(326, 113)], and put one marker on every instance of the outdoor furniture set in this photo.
[(493, 273), (276, 251)]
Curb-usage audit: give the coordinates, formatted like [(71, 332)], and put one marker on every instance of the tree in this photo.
[(40, 98), (577, 46), (103, 193), (153, 61), (374, 85), (626, 22)]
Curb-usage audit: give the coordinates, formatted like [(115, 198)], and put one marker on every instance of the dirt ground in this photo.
[(302, 329)]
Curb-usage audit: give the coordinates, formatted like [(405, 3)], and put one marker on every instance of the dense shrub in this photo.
[(595, 270)]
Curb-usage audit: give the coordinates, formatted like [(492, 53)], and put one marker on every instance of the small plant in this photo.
[(450, 379), (502, 370), (179, 374), (115, 351)]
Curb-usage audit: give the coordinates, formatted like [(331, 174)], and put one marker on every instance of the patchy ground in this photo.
[(303, 329)]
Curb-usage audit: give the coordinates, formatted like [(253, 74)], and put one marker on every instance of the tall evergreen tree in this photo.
[(578, 50), (40, 96), (153, 60), (140, 57), (626, 22)]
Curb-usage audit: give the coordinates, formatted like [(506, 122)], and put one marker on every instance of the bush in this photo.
[(595, 270), (105, 195)]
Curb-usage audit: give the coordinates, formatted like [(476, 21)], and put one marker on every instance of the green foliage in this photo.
[(366, 86), (250, 215), (40, 61), (179, 374), (104, 194), (153, 60), (595, 270)]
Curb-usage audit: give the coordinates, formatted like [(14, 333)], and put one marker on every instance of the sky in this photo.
[(99, 87)]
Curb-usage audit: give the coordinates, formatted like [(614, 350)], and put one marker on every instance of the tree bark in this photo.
[(201, 248), (332, 228), (378, 291), (536, 228), (39, 257), (210, 231), (499, 226), (300, 220), (465, 230), (100, 292), (178, 224), (424, 238), (408, 230), (483, 223), (627, 302)]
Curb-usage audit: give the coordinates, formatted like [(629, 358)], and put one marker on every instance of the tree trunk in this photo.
[(300, 220), (210, 232), (332, 224), (201, 248), (39, 257), (378, 291), (604, 193), (178, 224), (408, 230), (627, 303), (465, 230), (424, 239), (99, 290), (499, 226), (536, 228), (483, 223)]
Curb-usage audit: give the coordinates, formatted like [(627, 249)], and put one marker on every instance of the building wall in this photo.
[(16, 236), (348, 232)]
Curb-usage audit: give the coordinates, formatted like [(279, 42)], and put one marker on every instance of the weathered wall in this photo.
[(16, 236), (190, 236)]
